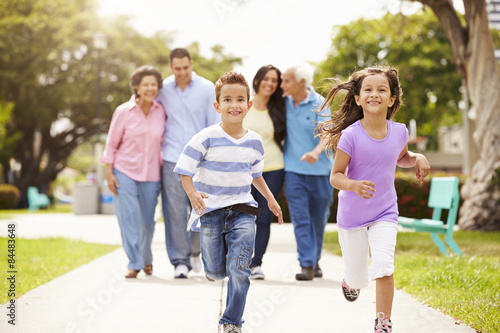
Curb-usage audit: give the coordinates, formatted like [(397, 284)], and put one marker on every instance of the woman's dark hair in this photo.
[(276, 104), (349, 112), (139, 73)]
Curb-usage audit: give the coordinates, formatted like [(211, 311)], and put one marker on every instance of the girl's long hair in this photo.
[(349, 112), (276, 104)]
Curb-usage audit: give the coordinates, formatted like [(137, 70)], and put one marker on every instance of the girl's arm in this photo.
[(195, 197), (408, 159), (261, 186), (338, 179)]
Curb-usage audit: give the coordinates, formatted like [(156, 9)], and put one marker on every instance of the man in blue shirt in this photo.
[(307, 170), (188, 101)]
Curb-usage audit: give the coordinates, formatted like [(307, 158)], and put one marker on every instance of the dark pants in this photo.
[(274, 180)]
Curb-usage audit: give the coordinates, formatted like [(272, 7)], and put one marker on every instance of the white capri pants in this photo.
[(379, 238)]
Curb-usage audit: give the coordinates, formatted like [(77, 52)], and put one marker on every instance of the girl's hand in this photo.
[(276, 209), (196, 199), (422, 167), (364, 188)]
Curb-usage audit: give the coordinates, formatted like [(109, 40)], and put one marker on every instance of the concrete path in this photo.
[(96, 298)]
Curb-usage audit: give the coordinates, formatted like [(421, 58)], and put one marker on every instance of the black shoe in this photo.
[(318, 273), (306, 274)]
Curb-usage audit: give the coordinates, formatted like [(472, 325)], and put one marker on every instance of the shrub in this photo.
[(9, 196), (413, 196)]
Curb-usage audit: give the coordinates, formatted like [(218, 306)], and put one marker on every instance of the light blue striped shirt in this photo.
[(188, 112), (222, 168)]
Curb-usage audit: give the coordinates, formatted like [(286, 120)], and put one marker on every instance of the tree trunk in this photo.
[(473, 53)]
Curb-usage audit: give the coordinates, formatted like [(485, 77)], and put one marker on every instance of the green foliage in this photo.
[(418, 47), (49, 70), (466, 288), (212, 68), (41, 260), (9, 196)]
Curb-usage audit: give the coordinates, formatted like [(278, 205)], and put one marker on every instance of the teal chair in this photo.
[(444, 194), (36, 200)]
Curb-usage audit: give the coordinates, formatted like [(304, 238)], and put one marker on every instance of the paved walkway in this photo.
[(96, 298)]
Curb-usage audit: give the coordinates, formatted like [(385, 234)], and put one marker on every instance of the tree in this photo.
[(48, 68), (473, 54), (417, 46)]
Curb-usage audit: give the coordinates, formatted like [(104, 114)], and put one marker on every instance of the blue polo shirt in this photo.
[(188, 112), (300, 137)]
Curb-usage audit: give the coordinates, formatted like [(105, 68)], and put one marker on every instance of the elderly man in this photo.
[(188, 101), (307, 170)]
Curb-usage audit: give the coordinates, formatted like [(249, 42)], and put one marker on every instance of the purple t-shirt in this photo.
[(373, 160)]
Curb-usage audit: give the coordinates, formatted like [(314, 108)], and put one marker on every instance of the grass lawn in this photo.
[(38, 261), (57, 208), (466, 288)]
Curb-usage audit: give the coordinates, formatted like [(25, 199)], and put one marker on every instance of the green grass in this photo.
[(38, 261), (57, 208), (466, 288)]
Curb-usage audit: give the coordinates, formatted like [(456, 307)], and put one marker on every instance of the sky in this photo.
[(278, 32)]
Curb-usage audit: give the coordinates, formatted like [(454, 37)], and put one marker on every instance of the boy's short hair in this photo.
[(231, 78)]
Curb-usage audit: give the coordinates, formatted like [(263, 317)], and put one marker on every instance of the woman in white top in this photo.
[(267, 117)]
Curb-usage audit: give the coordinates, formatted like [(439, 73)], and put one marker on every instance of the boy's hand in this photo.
[(196, 199), (276, 209), (422, 168), (364, 188)]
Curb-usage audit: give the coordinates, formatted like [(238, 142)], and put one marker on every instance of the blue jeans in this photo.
[(227, 241), (274, 180), (181, 244), (135, 209), (309, 200)]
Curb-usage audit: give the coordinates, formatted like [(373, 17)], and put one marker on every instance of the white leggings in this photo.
[(379, 238)]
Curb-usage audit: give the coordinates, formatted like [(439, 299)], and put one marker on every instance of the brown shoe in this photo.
[(148, 269), (132, 274), (318, 273), (306, 274)]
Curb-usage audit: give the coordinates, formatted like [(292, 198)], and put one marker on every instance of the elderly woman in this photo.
[(133, 163)]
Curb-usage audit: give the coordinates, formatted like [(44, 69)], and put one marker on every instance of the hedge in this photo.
[(9, 196)]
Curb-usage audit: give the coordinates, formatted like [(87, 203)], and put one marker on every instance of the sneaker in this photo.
[(181, 271), (230, 328), (318, 273), (195, 264), (382, 325), (209, 279), (306, 274), (350, 294), (257, 273)]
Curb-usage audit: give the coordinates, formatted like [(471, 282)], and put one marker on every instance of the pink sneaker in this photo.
[(350, 294), (382, 325)]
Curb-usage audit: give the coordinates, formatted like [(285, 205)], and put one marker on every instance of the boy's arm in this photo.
[(261, 186), (195, 197), (408, 159)]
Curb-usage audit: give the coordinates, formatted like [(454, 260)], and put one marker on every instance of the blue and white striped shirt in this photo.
[(222, 167)]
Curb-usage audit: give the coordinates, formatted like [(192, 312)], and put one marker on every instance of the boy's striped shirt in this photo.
[(222, 167)]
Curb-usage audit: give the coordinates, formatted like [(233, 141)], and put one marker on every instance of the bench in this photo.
[(36, 200), (444, 194)]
